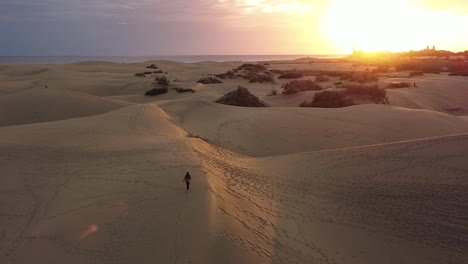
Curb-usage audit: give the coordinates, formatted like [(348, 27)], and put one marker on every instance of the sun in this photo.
[(378, 25)]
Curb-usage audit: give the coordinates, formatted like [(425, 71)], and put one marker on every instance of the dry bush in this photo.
[(397, 85), (373, 92), (297, 86), (241, 97), (291, 75), (209, 80), (329, 99)]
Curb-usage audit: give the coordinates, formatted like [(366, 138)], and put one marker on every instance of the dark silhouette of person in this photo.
[(187, 179), (415, 85)]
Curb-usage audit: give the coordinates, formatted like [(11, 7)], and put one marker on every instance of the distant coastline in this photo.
[(132, 59)]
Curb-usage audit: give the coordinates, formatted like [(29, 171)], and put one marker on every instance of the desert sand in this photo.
[(91, 170)]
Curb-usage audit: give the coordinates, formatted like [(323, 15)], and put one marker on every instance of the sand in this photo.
[(91, 171)]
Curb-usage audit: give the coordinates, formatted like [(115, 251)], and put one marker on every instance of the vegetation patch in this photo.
[(161, 84), (329, 99), (416, 73), (241, 97), (152, 66), (209, 80), (297, 86), (397, 85), (291, 75), (322, 78), (156, 91), (254, 73), (184, 90), (373, 92)]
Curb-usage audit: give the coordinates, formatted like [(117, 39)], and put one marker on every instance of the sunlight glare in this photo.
[(373, 25)]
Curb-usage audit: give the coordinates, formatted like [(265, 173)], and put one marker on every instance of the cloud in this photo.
[(266, 7)]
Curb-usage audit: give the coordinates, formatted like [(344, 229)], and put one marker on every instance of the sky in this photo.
[(228, 27)]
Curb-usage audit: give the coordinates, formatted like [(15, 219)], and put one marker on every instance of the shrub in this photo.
[(184, 90), (458, 68), (424, 66), (209, 80), (377, 95), (162, 81), (158, 71), (152, 66), (291, 75), (329, 99), (381, 69), (260, 78), (156, 91), (416, 73), (251, 67), (322, 78), (360, 77), (140, 74), (272, 92), (396, 85), (227, 75), (276, 71), (297, 86), (241, 97)]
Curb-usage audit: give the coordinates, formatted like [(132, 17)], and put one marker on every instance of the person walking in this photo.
[(187, 179)]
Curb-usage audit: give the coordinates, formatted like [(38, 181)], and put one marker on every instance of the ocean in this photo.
[(131, 59)]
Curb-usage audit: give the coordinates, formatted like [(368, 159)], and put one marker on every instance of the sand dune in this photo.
[(434, 92), (106, 189), (94, 172), (43, 105), (256, 132), (394, 203)]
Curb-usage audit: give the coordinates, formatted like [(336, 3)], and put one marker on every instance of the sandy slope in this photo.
[(105, 185), (275, 131), (106, 189), (47, 104), (436, 92), (394, 203)]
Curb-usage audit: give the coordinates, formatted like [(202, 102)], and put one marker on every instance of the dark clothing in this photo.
[(187, 179)]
